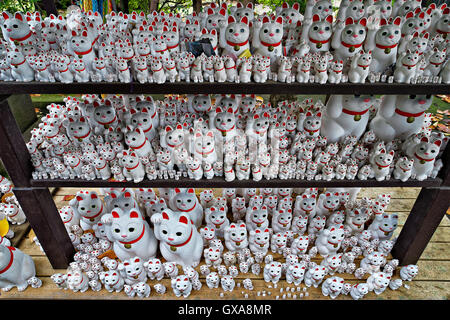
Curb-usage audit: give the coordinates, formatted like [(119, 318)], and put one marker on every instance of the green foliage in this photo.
[(272, 4), (18, 5), (139, 5)]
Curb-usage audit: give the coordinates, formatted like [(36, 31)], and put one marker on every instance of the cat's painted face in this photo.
[(201, 103), (88, 203), (224, 120), (354, 32), (213, 19), (412, 24), (228, 102), (191, 28), (291, 14), (409, 5), (15, 26), (104, 113), (260, 236), (358, 102), (443, 24), (174, 137), (355, 10), (414, 103), (244, 11), (175, 228), (388, 34), (185, 201), (384, 7), (126, 226), (78, 127), (237, 232), (80, 42), (237, 31), (271, 31), (428, 150), (418, 43), (322, 8)]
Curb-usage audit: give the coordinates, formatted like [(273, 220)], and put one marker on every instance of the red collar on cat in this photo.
[(348, 45), (82, 53), (23, 38), (423, 159), (319, 41), (386, 47), (184, 243), (237, 44), (188, 210), (135, 240), (270, 44), (354, 113), (101, 210), (11, 259), (407, 114)]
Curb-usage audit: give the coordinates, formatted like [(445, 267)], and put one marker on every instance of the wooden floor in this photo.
[(432, 282)]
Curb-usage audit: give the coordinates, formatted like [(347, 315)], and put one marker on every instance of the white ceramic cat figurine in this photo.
[(234, 36), (132, 235), (180, 241), (399, 116)]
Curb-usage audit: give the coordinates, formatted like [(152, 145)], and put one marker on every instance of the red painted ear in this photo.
[(191, 190), (265, 19), (115, 214), (348, 21), (183, 219), (165, 216), (244, 20), (93, 196), (79, 198), (363, 21), (316, 18), (424, 139), (134, 214), (397, 21), (329, 18), (231, 19), (438, 143)]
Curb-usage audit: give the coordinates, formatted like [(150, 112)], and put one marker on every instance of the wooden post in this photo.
[(50, 7), (197, 5), (13, 151), (424, 218), (153, 5), (44, 218)]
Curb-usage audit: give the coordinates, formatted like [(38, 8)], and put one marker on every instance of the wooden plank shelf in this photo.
[(219, 182), (269, 87)]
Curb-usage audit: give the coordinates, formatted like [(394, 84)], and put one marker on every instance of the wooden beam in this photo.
[(425, 216), (44, 218), (13, 151), (197, 5)]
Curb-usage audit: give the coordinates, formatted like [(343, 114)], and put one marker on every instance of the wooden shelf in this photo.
[(268, 87), (219, 182)]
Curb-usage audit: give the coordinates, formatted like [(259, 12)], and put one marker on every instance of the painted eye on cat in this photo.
[(117, 230)]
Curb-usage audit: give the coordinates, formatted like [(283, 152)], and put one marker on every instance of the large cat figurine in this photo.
[(383, 40), (180, 241), (88, 206), (344, 116), (187, 202), (348, 38), (132, 235), (234, 37), (267, 38), (399, 116), (317, 33)]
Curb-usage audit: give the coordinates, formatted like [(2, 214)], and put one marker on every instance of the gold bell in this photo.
[(357, 117), (236, 48), (410, 119), (173, 248), (127, 245), (319, 45), (351, 49), (271, 48), (387, 50)]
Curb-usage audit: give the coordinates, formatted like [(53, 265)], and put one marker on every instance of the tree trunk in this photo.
[(197, 5), (50, 7), (153, 5)]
